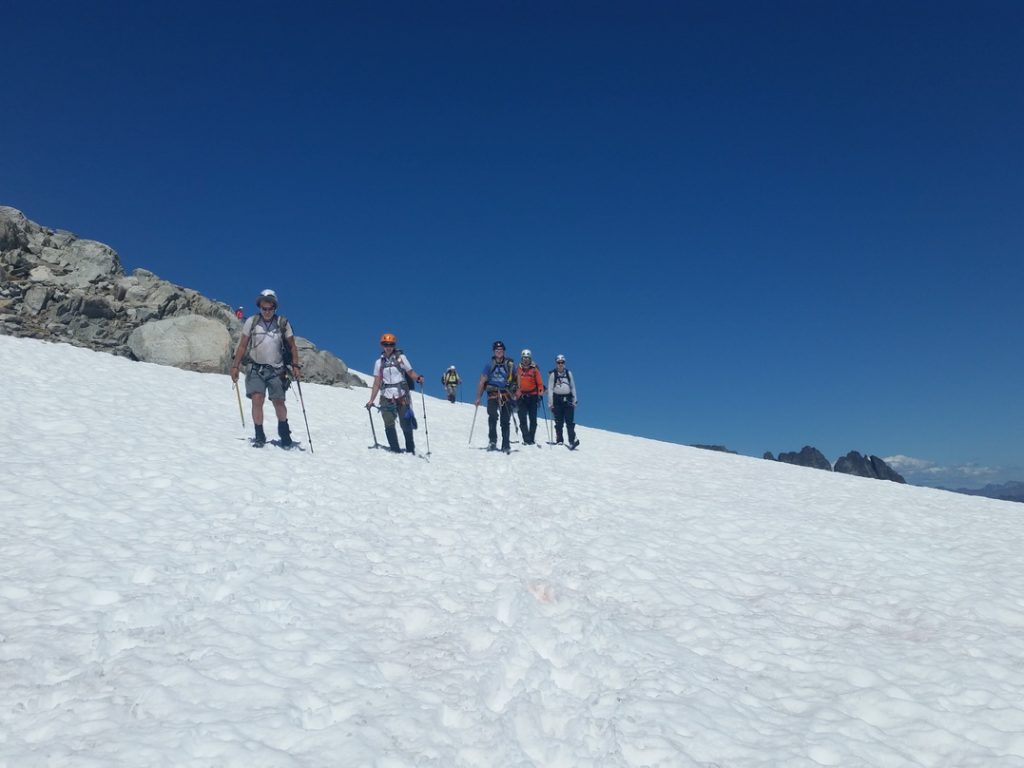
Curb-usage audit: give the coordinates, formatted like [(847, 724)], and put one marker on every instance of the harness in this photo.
[(559, 377), (450, 377), (264, 370), (393, 361), (496, 387)]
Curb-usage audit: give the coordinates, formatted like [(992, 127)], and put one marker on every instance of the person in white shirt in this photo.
[(269, 344), (562, 401), (391, 374)]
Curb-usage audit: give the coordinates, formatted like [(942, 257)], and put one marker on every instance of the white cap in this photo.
[(266, 295), (451, 367)]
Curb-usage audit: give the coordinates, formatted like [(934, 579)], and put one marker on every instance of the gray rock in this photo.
[(808, 457), (189, 341), (35, 299), (855, 463), (59, 287)]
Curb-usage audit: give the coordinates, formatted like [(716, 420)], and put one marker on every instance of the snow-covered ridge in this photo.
[(171, 596)]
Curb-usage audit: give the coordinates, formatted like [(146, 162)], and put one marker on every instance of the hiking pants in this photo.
[(528, 417), (389, 413), (564, 412), (498, 406)]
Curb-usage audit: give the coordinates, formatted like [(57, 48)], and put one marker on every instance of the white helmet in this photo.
[(265, 295), (559, 358), (526, 353), (451, 367)]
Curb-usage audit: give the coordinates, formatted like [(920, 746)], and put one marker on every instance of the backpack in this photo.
[(393, 361), (509, 367), (567, 376), (286, 349)]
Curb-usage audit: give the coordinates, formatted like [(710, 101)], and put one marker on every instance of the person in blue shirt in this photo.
[(498, 380)]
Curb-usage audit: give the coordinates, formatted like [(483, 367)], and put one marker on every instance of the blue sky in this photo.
[(762, 225)]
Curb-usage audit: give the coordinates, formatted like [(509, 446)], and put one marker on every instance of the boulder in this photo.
[(188, 341)]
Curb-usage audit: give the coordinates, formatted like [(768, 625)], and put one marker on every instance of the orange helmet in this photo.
[(387, 338)]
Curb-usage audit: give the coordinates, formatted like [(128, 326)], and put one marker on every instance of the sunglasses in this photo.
[(387, 344), (560, 362), (267, 309)]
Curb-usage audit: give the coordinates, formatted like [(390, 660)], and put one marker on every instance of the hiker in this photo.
[(562, 401), (451, 381), (268, 346), (240, 313), (393, 375), (530, 388), (498, 379)]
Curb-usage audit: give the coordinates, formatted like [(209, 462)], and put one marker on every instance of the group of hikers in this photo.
[(267, 345)]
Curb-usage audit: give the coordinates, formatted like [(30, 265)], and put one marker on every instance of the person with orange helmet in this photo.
[(391, 374)]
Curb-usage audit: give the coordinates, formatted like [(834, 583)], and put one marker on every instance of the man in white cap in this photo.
[(268, 345)]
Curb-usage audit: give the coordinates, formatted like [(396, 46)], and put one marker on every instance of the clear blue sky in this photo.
[(762, 225)]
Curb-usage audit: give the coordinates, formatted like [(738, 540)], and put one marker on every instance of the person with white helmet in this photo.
[(268, 346), (562, 401), (451, 382), (531, 389)]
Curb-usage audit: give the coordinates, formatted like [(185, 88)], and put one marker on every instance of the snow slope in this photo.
[(170, 596)]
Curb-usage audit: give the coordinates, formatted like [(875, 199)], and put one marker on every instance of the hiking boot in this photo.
[(492, 446), (574, 442), (285, 433), (505, 446), (261, 437)]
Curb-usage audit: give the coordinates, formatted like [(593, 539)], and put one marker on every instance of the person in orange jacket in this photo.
[(530, 386)]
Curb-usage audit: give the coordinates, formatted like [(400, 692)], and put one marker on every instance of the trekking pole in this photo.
[(303, 404), (426, 429), (512, 413), (547, 423), (372, 428), (471, 426), (240, 411)]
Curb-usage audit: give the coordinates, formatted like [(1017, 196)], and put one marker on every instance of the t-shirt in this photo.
[(497, 373), (392, 382), (265, 340)]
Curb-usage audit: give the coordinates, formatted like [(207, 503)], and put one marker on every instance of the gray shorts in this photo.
[(264, 380)]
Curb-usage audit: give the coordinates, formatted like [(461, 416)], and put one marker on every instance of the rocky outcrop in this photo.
[(808, 457), (58, 287), (854, 463)]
